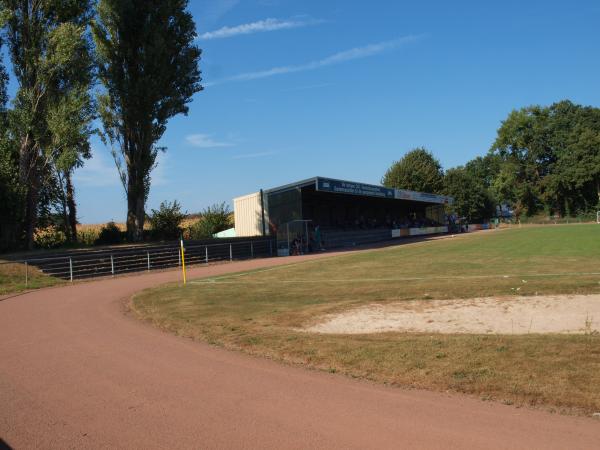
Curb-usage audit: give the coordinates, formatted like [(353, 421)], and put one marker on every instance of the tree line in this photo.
[(544, 160), (129, 65)]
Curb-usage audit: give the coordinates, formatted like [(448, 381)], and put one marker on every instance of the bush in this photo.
[(49, 237), (87, 237), (166, 221), (109, 234), (201, 230), (213, 219), (542, 219)]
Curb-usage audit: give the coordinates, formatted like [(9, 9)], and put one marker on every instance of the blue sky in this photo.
[(342, 88)]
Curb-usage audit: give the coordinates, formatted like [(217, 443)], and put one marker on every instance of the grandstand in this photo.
[(340, 212)]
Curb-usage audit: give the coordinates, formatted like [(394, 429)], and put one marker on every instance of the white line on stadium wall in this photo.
[(222, 280)]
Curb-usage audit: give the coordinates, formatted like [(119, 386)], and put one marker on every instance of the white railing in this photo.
[(99, 263)]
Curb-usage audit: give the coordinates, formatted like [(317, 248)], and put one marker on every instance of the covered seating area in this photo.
[(337, 207)]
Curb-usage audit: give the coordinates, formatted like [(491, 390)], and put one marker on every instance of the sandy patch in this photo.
[(513, 315)]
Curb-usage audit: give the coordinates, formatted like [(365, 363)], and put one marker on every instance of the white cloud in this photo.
[(259, 26), (205, 141), (337, 58), (253, 155), (98, 171)]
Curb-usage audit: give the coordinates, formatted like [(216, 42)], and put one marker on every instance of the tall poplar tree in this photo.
[(148, 64), (49, 50), (10, 197)]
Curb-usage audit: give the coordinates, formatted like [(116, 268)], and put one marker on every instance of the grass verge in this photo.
[(13, 280)]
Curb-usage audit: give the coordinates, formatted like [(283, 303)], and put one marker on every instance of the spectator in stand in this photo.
[(319, 242), (292, 248), (297, 246)]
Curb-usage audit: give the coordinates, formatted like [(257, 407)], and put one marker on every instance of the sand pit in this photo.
[(512, 315)]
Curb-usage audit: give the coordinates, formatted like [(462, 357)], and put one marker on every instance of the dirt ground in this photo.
[(512, 315)]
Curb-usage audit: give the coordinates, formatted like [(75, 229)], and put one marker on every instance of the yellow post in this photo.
[(183, 262)]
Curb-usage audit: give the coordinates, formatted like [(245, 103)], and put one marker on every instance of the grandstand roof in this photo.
[(336, 186)]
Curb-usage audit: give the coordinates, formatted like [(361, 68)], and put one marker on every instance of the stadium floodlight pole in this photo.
[(183, 261)]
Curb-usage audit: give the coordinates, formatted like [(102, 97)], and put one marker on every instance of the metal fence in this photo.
[(99, 263), (293, 234)]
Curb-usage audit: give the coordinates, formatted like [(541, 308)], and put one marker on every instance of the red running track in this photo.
[(77, 372)]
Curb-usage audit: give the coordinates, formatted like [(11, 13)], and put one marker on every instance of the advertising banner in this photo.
[(348, 187), (370, 190), (403, 194), (418, 231)]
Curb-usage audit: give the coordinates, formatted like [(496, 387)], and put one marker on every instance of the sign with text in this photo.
[(348, 187), (370, 190)]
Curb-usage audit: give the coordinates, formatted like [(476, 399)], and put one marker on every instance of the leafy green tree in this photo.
[(10, 191), (522, 145), (418, 170), (70, 128), (484, 168), (148, 65), (70, 122), (471, 197), (549, 159), (11, 194), (575, 186), (166, 221), (213, 219), (47, 42)]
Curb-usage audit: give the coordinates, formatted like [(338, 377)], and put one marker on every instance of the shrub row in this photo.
[(166, 224)]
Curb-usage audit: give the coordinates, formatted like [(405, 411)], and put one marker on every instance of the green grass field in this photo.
[(258, 312), (12, 278)]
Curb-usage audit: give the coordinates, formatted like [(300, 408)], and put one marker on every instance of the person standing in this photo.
[(318, 243)]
